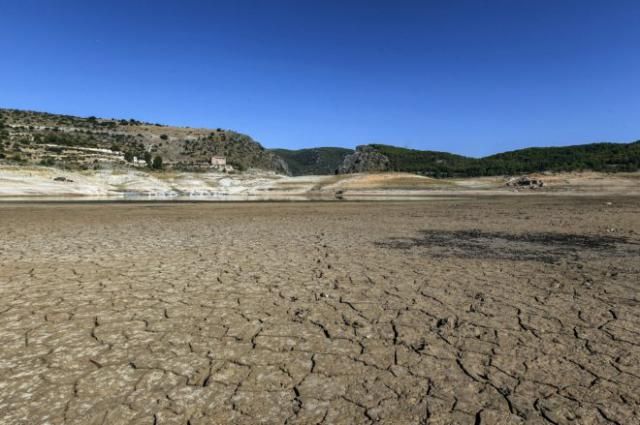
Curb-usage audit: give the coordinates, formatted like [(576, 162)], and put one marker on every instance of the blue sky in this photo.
[(471, 77)]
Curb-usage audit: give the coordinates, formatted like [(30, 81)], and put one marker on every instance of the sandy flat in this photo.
[(492, 311)]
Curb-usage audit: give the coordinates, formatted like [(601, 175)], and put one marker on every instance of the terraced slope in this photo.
[(73, 142)]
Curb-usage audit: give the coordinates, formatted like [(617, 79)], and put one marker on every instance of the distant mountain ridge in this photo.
[(606, 157), (65, 141)]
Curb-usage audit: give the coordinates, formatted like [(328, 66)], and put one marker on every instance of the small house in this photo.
[(218, 161)]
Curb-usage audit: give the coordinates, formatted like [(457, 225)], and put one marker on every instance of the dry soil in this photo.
[(473, 311)]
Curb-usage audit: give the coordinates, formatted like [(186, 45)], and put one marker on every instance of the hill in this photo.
[(434, 163), (606, 157), (36, 138), (314, 161), (91, 143)]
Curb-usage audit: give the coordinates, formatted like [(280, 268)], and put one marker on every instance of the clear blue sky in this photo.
[(471, 77)]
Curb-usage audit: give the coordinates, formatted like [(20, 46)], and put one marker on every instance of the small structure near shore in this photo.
[(218, 161)]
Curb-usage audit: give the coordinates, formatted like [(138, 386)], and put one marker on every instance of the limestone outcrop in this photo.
[(364, 159)]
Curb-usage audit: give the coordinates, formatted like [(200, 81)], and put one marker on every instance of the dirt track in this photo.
[(518, 310)]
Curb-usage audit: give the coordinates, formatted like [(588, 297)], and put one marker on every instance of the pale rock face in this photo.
[(364, 159), (280, 165)]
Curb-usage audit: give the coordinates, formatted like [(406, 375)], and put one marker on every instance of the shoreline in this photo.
[(46, 183), (320, 199)]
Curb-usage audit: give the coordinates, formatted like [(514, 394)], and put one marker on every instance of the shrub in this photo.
[(54, 149), (164, 137), (47, 161), (157, 163)]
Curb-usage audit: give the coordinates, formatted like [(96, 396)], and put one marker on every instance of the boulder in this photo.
[(526, 182)]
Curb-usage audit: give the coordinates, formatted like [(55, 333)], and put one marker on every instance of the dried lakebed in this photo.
[(445, 312)]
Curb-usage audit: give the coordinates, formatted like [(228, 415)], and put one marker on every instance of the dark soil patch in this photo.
[(544, 247)]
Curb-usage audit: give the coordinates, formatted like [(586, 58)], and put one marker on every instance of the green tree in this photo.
[(157, 163)]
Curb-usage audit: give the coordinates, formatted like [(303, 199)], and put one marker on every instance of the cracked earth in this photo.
[(491, 311)]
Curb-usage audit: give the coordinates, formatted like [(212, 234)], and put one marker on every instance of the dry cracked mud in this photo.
[(468, 311)]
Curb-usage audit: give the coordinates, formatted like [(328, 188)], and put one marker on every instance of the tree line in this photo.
[(606, 157)]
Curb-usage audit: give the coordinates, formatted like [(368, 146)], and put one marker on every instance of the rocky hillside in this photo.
[(34, 138), (314, 161), (82, 143)]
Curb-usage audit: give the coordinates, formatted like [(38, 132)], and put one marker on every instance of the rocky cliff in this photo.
[(364, 159)]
